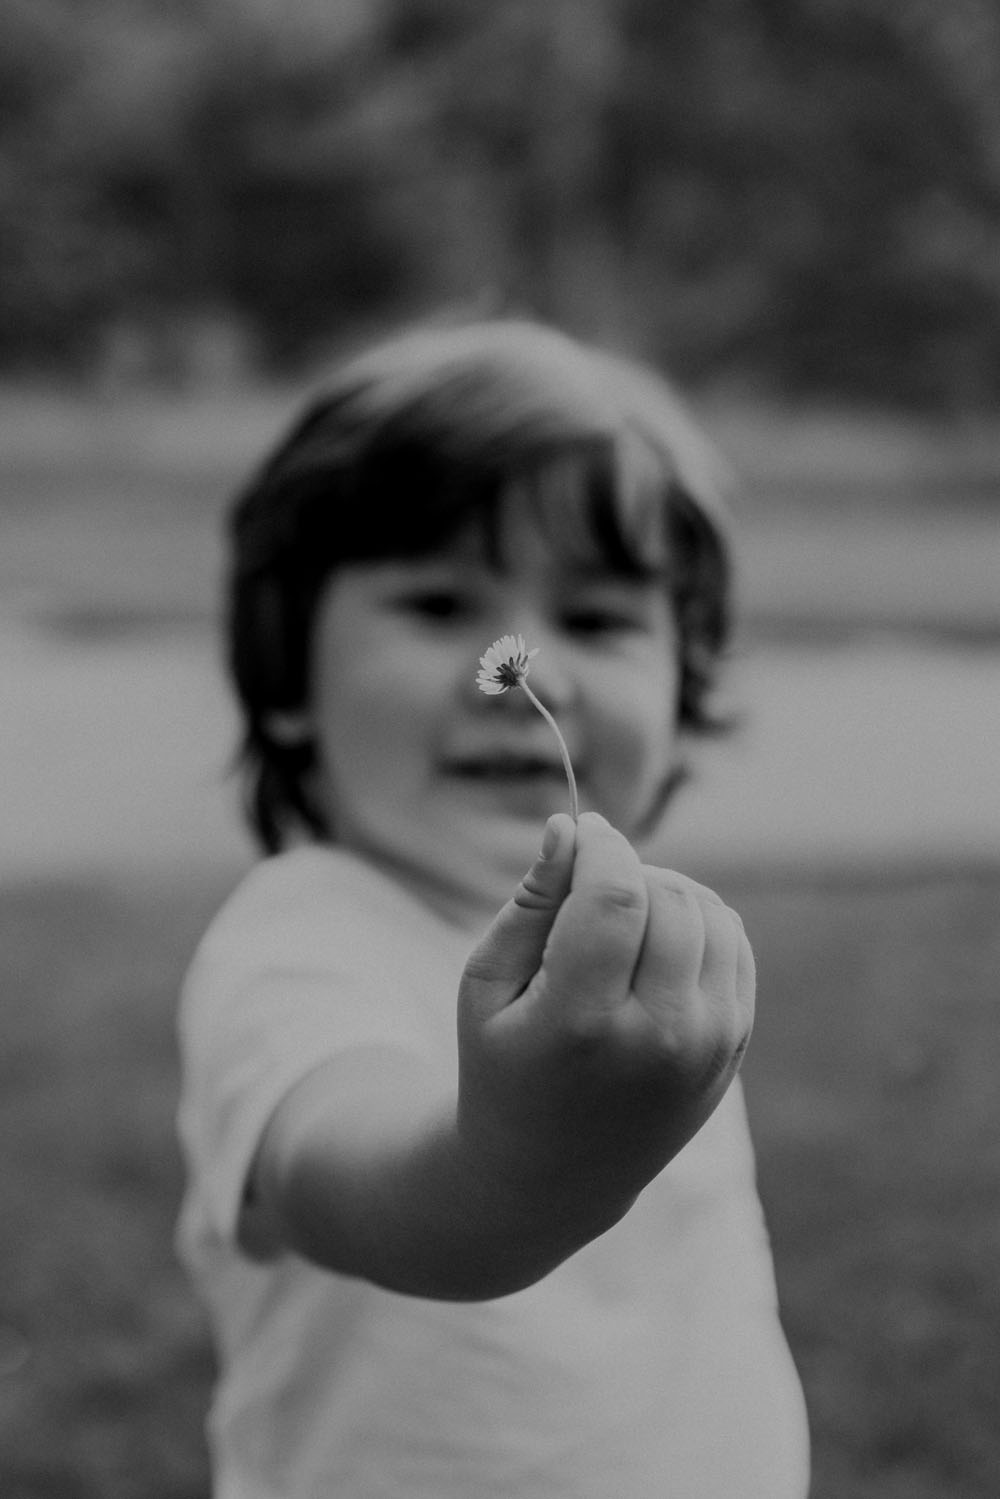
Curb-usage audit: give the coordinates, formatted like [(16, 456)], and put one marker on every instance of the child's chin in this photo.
[(506, 841), (518, 800), (514, 843), (523, 820)]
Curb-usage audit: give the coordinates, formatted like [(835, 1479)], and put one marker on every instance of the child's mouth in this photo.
[(512, 768), (515, 785)]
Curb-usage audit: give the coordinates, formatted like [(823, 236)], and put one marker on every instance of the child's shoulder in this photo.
[(308, 872), (318, 918), (306, 882), (314, 898)]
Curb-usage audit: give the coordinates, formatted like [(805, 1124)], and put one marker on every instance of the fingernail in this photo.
[(550, 841)]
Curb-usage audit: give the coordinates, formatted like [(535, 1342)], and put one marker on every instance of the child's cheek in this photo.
[(632, 751)]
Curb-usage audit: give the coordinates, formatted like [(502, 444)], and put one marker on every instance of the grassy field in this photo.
[(872, 1085), (872, 1088)]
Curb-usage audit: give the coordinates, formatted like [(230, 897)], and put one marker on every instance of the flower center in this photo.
[(509, 673)]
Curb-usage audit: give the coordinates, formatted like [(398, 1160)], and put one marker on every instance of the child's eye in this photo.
[(435, 603), (599, 621)]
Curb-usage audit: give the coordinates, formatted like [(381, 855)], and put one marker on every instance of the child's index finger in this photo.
[(605, 858)]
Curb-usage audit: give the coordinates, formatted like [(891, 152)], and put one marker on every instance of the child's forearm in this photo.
[(364, 1171)]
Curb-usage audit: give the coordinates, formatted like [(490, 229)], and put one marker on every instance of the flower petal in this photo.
[(504, 664)]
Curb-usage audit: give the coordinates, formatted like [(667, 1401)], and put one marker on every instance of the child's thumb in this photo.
[(510, 953)]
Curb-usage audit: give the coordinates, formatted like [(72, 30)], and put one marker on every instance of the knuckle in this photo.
[(582, 1044), (681, 884), (707, 897), (532, 894), (681, 903), (746, 963), (683, 923), (720, 1049), (619, 896), (738, 1032), (583, 1036), (736, 1021), (677, 1037), (716, 1030)]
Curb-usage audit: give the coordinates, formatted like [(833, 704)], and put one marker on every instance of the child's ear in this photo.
[(291, 730)]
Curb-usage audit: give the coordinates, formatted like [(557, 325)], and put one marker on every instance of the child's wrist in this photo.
[(553, 1200)]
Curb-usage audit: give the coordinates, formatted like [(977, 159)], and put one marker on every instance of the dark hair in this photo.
[(403, 445)]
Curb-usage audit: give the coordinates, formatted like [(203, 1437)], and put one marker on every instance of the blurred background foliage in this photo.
[(785, 195)]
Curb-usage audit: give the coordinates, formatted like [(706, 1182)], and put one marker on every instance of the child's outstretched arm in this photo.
[(601, 1020)]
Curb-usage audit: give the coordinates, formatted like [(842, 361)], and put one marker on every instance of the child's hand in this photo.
[(601, 1019)]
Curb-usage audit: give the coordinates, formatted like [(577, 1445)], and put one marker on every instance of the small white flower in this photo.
[(504, 665)]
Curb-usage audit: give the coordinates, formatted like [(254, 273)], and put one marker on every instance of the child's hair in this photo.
[(411, 440)]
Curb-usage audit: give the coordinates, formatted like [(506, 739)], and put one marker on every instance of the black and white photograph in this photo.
[(500, 749)]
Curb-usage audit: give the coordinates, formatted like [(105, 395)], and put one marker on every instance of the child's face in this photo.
[(421, 771)]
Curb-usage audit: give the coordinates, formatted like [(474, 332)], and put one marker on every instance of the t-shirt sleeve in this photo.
[(272, 994)]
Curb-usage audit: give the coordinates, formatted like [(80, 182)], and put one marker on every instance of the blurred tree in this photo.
[(289, 167), (802, 193), (516, 98), (45, 236)]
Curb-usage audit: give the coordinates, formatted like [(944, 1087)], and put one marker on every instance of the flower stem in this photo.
[(574, 805)]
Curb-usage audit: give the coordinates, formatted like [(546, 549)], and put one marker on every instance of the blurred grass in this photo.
[(871, 1082), (107, 1362), (872, 1086)]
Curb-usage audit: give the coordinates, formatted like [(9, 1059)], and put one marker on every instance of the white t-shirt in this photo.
[(651, 1363)]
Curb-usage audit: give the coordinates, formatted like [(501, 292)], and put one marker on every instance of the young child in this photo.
[(517, 1254)]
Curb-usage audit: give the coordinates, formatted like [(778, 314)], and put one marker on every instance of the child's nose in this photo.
[(552, 676), (551, 673)]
